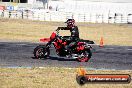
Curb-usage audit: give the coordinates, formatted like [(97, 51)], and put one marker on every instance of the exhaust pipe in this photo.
[(75, 56)]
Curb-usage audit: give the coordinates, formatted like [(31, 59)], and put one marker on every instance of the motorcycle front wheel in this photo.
[(41, 52)]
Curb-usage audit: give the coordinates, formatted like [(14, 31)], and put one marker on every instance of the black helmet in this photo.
[(70, 23)]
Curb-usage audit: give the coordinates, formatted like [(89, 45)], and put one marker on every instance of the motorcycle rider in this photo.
[(74, 34)]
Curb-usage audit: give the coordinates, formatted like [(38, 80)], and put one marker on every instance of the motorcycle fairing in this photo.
[(53, 35)]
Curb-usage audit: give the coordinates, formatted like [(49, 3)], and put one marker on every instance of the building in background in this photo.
[(75, 5), (15, 1), (81, 10)]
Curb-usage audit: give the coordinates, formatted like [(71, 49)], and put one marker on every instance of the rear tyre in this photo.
[(84, 56), (41, 52)]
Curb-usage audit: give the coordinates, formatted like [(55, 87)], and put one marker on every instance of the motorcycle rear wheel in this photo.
[(41, 52), (86, 56)]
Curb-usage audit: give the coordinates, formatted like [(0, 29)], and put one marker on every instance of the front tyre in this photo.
[(84, 56), (41, 52)]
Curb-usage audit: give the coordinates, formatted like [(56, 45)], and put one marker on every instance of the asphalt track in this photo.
[(20, 54)]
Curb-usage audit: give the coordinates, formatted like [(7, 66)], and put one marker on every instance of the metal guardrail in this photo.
[(62, 16)]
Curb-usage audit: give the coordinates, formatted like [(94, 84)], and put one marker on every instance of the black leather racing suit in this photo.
[(73, 39)]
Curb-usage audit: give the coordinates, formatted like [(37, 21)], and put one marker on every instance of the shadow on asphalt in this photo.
[(56, 58)]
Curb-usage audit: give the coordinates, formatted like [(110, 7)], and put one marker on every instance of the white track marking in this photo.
[(109, 48), (21, 44), (129, 49)]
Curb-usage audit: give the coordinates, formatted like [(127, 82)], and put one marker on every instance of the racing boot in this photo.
[(69, 54)]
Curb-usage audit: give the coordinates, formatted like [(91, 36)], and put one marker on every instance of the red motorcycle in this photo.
[(81, 51)]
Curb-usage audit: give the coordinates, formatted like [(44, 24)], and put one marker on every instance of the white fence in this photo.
[(62, 16)]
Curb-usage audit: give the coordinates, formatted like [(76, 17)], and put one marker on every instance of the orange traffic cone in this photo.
[(81, 71), (101, 42)]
